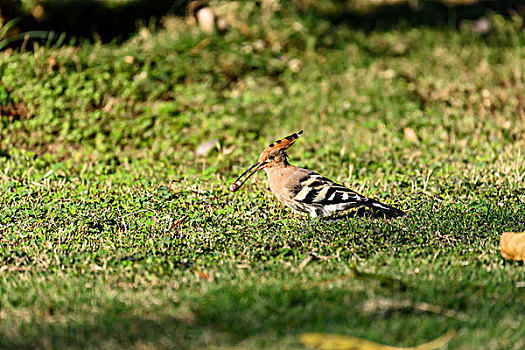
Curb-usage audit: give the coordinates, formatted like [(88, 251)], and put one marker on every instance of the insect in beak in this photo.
[(237, 184)]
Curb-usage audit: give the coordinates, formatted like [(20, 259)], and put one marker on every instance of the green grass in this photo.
[(115, 234)]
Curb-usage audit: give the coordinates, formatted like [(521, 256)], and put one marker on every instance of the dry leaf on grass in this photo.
[(199, 47), (178, 223), (384, 304), (384, 281), (203, 275), (512, 245), (342, 342)]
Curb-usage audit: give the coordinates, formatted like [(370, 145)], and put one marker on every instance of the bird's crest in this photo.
[(283, 143)]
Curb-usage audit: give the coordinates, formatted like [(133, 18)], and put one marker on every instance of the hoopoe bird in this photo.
[(302, 190)]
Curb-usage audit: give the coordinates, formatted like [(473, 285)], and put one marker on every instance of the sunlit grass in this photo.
[(115, 234)]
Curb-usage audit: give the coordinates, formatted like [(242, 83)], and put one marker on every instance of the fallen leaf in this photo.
[(178, 223), (342, 342), (206, 147), (384, 281), (512, 245), (410, 134), (384, 304), (198, 48), (171, 184), (203, 275)]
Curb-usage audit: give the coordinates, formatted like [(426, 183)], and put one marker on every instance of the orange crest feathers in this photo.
[(285, 142), (281, 144)]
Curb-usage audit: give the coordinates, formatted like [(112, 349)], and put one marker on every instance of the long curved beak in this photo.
[(254, 168)]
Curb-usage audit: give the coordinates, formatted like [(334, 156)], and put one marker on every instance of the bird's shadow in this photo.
[(362, 213)]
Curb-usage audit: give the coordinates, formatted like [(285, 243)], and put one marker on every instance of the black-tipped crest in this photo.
[(281, 144), (287, 141)]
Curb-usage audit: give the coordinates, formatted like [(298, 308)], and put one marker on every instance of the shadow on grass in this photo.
[(227, 312), (230, 314), (363, 212), (109, 21), (105, 330), (222, 316), (415, 14), (96, 19)]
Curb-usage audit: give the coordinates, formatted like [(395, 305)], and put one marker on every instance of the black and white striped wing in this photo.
[(314, 189)]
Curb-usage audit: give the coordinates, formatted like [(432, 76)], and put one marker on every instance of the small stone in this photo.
[(129, 59), (206, 20), (295, 65), (481, 26), (38, 12), (52, 63), (206, 147), (222, 25), (410, 134)]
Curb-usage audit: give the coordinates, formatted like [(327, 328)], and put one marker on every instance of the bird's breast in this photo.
[(279, 180)]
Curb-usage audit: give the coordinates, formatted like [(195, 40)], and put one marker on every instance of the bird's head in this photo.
[(273, 156)]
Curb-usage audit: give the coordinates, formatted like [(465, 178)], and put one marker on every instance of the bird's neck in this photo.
[(276, 168)]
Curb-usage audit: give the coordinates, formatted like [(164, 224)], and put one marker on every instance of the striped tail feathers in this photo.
[(372, 203)]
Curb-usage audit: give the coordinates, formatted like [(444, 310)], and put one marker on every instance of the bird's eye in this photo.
[(271, 157)]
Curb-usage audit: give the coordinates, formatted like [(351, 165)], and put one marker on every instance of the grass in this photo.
[(115, 234)]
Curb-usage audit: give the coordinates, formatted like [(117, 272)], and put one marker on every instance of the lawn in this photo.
[(116, 233)]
